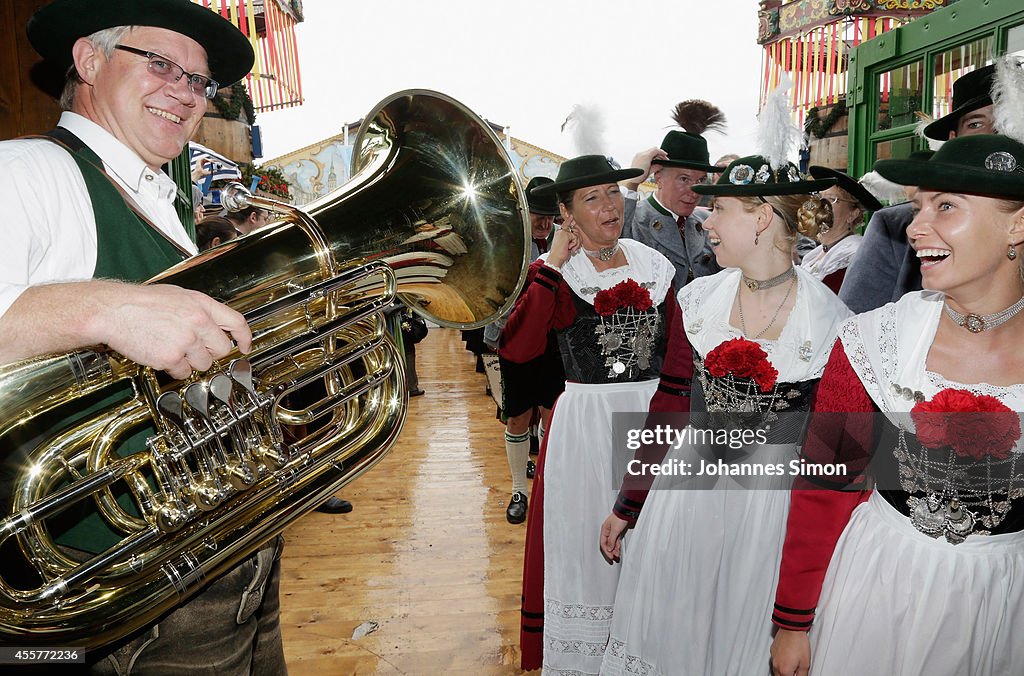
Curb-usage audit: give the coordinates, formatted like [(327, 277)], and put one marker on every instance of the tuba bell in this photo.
[(186, 478)]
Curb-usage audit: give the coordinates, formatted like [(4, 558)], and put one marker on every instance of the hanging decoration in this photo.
[(275, 81), (810, 40)]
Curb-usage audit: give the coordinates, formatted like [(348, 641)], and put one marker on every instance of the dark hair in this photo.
[(212, 227), (566, 197), (243, 215)]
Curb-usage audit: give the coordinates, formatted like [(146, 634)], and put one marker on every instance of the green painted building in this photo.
[(908, 71)]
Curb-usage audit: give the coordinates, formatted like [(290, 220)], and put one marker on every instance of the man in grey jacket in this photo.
[(667, 219)]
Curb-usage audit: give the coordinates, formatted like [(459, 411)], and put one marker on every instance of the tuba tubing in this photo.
[(189, 477)]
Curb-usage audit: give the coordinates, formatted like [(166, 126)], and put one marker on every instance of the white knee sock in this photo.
[(517, 449)]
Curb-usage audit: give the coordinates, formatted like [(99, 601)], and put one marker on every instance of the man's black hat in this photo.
[(686, 150), (54, 29), (543, 204), (970, 92)]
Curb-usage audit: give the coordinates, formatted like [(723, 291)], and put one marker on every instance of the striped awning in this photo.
[(221, 168), (275, 81)]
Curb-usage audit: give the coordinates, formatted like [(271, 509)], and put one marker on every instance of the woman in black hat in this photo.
[(700, 570), (838, 239), (611, 305), (925, 576)]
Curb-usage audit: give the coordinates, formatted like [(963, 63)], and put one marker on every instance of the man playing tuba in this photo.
[(89, 214)]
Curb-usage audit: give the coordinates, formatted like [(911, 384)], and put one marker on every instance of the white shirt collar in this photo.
[(654, 196), (152, 191), (118, 159)]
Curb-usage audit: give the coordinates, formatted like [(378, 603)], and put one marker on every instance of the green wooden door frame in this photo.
[(962, 22)]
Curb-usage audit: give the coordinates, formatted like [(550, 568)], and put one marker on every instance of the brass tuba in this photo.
[(189, 477)]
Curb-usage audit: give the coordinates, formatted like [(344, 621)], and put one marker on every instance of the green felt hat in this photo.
[(753, 176), (545, 204), (54, 29), (583, 171), (686, 150), (970, 92), (846, 182), (977, 164)]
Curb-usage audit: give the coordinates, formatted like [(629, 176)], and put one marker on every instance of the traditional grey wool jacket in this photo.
[(649, 222)]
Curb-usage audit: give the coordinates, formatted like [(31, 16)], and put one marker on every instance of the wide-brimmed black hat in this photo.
[(970, 92), (977, 164), (753, 176), (583, 171), (686, 150), (54, 29), (545, 204), (846, 182)]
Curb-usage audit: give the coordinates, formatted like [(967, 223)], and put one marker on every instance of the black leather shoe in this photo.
[(516, 512), (335, 506), (415, 393), (531, 469)]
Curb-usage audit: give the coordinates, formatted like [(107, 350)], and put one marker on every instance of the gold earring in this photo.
[(1011, 253)]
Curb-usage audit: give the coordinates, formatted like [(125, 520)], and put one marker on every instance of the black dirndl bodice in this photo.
[(626, 346)]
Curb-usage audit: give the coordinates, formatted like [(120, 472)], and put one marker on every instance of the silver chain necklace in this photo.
[(603, 254), (743, 323), (758, 284), (976, 323)]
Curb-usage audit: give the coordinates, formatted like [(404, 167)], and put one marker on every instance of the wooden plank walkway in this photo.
[(426, 553)]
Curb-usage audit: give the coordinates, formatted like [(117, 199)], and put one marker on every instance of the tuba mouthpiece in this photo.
[(235, 197)]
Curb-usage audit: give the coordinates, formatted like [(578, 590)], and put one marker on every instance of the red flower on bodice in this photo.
[(972, 425), (742, 358), (624, 294)]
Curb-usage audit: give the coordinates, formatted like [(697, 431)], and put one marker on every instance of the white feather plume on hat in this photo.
[(586, 123), (779, 138), (884, 190), (1008, 98), (923, 120)]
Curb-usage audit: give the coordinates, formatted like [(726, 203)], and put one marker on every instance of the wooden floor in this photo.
[(426, 554)]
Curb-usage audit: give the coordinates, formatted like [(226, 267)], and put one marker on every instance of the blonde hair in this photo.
[(814, 215), (1008, 206), (786, 207)]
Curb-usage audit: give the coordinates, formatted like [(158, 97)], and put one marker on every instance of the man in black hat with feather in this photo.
[(667, 220)]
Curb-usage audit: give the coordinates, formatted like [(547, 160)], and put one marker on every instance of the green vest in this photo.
[(130, 250)]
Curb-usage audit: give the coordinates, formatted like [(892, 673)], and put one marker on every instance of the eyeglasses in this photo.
[(835, 200), (168, 71)]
